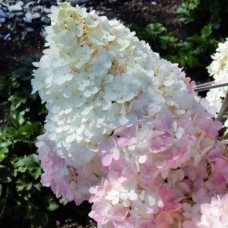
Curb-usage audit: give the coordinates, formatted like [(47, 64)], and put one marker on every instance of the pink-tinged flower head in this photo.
[(119, 201), (64, 179), (125, 129), (214, 213)]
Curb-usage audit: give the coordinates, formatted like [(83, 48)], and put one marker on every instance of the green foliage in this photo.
[(187, 10), (159, 36), (23, 201), (194, 52), (207, 23), (202, 12)]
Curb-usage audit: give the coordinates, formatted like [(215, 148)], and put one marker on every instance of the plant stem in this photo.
[(224, 110)]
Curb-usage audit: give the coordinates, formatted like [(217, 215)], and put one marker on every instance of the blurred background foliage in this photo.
[(207, 23), (23, 201)]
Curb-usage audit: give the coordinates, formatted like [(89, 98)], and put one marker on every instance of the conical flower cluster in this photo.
[(125, 129)]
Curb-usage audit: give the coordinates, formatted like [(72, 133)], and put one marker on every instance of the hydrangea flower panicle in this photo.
[(125, 129)]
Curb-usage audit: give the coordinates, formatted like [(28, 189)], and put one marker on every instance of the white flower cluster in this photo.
[(125, 128), (93, 73), (219, 70)]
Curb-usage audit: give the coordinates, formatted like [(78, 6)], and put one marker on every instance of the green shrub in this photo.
[(207, 20), (193, 53), (211, 12), (22, 199)]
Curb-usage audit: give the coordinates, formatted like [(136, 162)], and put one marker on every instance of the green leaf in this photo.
[(167, 41), (29, 129), (187, 10), (62, 201), (29, 164), (23, 184), (17, 118), (3, 152), (155, 29), (37, 186), (16, 101), (206, 32), (52, 204)]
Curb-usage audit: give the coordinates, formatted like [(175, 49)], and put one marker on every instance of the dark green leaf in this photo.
[(52, 204), (3, 152), (206, 32), (29, 164), (155, 29)]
